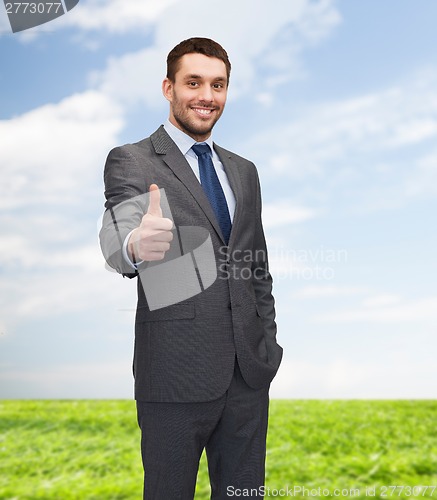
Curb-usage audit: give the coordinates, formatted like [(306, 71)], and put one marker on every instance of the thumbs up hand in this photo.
[(152, 238)]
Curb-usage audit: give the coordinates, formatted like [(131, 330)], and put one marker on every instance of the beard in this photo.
[(191, 124), (192, 128)]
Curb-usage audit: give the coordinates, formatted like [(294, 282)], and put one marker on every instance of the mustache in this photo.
[(204, 105)]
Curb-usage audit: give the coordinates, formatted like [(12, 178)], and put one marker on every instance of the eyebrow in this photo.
[(195, 76)]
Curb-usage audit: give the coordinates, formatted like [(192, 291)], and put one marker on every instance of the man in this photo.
[(202, 365)]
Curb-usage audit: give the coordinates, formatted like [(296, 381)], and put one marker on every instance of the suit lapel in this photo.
[(176, 161)]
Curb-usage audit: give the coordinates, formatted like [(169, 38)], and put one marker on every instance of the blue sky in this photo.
[(336, 103)]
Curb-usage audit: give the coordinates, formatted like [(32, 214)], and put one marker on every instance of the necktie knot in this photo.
[(201, 149)]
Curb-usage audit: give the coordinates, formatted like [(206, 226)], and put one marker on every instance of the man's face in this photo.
[(198, 95)]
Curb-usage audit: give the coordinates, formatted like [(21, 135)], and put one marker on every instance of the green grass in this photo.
[(89, 450)]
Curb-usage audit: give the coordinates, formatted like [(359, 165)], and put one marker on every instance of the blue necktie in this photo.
[(213, 189)]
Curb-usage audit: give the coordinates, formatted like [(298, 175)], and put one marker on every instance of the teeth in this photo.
[(203, 111)]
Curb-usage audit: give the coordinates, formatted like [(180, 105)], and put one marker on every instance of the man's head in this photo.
[(204, 46), (198, 71)]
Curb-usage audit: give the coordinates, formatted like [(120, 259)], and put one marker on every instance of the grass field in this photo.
[(89, 450)]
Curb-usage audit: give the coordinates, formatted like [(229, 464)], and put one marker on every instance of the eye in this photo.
[(193, 84), (218, 85)]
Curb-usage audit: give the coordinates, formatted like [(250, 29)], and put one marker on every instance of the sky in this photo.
[(335, 101)]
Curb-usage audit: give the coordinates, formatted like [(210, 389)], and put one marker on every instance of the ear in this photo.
[(167, 89)]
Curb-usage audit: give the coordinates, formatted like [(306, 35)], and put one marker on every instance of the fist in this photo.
[(152, 238)]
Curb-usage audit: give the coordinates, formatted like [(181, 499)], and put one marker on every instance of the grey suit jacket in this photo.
[(186, 352)]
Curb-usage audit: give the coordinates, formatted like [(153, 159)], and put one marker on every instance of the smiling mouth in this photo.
[(203, 111)]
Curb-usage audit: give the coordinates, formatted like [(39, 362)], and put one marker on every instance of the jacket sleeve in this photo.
[(261, 278), (125, 205)]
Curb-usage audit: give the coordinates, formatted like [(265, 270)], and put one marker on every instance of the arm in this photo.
[(261, 277), (133, 228), (124, 207)]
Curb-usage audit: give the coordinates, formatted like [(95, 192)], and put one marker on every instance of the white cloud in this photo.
[(266, 99), (249, 30), (5, 27), (112, 16), (374, 150), (422, 180), (53, 288), (54, 153), (326, 291), (90, 381), (382, 300), (257, 39), (51, 194), (117, 16), (401, 376), (248, 22), (134, 78), (311, 264), (282, 212), (381, 310)]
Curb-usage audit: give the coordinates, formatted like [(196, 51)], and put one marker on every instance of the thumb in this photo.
[(154, 201)]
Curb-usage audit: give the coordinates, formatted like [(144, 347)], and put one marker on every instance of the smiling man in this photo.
[(202, 366), (198, 94)]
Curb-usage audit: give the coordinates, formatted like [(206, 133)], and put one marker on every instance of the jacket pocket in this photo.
[(183, 310)]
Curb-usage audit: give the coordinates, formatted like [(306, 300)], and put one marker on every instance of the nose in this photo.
[(205, 93)]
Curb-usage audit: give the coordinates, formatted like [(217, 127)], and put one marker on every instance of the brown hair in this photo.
[(204, 46)]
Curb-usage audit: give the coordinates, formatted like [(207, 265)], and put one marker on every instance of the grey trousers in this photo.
[(232, 429)]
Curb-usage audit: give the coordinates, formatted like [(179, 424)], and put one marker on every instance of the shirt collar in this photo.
[(183, 141)]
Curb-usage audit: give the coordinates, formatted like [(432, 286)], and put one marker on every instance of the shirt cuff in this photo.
[(126, 253)]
